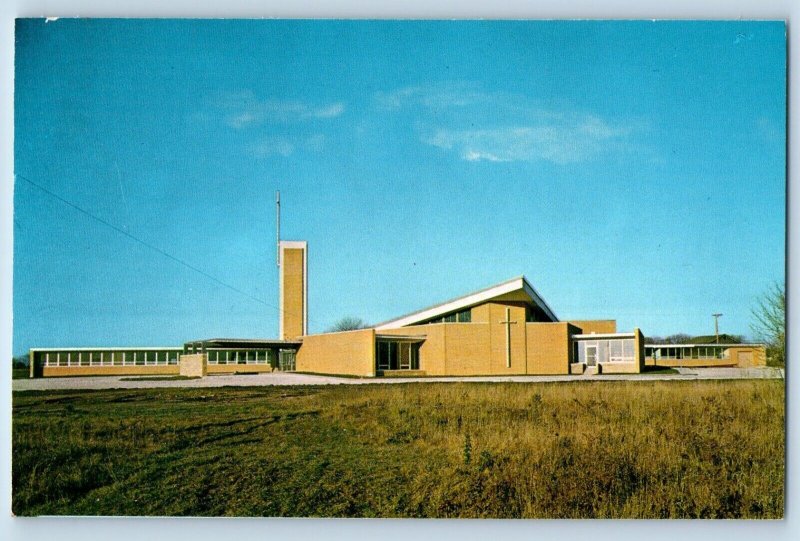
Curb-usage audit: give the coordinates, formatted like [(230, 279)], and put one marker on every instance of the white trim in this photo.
[(702, 345), (294, 244), (305, 288), (280, 291), (515, 284), (603, 336), (42, 350)]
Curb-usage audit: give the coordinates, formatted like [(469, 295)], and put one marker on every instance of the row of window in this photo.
[(532, 315), (709, 352), (109, 358), (232, 356), (152, 358), (592, 352), (464, 316)]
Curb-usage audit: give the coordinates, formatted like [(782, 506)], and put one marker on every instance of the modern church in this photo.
[(506, 329)]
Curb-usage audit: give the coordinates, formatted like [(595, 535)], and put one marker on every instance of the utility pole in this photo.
[(716, 325)]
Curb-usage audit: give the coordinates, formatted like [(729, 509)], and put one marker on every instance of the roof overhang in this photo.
[(401, 337), (243, 343), (687, 346), (518, 285), (603, 336)]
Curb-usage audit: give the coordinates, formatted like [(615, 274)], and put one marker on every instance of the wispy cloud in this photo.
[(438, 96), (329, 111), (272, 146), (563, 141), (244, 109), (479, 125)]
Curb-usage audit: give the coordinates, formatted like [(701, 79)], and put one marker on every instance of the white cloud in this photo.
[(243, 109), (564, 141), (496, 126), (284, 147), (438, 96), (330, 111)]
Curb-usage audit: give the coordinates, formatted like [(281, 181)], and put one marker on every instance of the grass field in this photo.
[(584, 449)]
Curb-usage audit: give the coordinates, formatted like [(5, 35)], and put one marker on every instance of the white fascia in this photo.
[(170, 348), (484, 295)]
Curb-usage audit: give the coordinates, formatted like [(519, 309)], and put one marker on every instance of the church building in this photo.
[(506, 329)]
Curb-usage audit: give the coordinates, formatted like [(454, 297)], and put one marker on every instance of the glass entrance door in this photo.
[(591, 355), (286, 360), (397, 355)]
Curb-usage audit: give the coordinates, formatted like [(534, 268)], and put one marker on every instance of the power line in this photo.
[(147, 244)]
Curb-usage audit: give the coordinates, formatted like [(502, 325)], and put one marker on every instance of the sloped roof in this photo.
[(517, 289)]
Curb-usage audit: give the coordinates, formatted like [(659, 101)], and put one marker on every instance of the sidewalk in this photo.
[(289, 378)]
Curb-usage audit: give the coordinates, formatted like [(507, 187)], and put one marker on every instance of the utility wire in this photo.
[(147, 244)]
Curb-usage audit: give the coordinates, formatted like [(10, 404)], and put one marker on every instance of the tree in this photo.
[(769, 322), (679, 338), (348, 323), (20, 361)]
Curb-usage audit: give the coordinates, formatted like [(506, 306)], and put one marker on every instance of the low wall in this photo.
[(619, 368), (350, 353), (119, 370), (193, 365), (233, 368)]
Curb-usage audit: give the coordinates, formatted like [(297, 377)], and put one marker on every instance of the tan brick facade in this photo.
[(344, 353), (596, 326), (293, 289), (152, 370), (549, 347), (194, 365)]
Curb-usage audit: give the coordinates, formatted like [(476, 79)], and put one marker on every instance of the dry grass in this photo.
[(600, 449)]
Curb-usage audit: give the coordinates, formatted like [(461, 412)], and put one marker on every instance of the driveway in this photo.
[(289, 378)]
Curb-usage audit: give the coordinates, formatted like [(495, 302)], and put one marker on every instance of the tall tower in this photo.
[(292, 282), (293, 288)]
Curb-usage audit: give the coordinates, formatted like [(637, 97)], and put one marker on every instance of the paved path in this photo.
[(287, 378)]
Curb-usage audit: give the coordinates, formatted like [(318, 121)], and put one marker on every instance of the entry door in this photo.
[(591, 355), (286, 361)]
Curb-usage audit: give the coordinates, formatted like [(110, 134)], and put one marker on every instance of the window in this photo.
[(397, 355), (629, 349), (601, 351), (464, 316)]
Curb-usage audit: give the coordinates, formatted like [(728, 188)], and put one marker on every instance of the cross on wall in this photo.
[(508, 323)]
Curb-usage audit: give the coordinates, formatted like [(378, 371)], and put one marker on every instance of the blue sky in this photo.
[(631, 170)]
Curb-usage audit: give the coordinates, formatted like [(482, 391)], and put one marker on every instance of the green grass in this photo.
[(19, 373), (582, 449), (659, 370)]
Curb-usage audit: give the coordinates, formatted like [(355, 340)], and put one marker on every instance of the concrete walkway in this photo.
[(288, 378)]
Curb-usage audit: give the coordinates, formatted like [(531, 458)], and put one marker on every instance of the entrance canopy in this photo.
[(196, 346)]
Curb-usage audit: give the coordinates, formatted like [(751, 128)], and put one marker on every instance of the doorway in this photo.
[(591, 355)]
